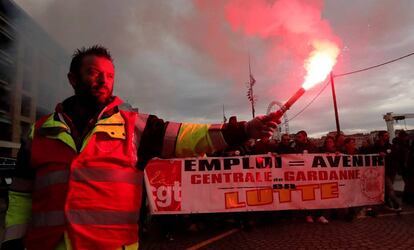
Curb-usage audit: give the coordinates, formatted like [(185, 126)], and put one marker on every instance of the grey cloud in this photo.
[(168, 65)]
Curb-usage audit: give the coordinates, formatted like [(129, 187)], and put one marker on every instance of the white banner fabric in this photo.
[(264, 182)]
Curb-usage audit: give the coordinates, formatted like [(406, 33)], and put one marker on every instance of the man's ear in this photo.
[(73, 80)]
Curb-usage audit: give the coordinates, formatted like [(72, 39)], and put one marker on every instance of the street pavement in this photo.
[(388, 230), (392, 232)]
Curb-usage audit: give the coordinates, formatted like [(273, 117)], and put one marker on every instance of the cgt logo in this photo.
[(165, 184), (167, 196), (371, 184)]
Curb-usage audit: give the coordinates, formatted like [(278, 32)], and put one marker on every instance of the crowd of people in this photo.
[(399, 156)]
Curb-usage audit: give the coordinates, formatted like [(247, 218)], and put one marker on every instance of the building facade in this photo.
[(32, 75)]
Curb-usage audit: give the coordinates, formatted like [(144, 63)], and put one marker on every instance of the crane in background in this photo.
[(390, 118)]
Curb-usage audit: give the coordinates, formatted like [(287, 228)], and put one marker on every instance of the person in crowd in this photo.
[(339, 141), (285, 145), (400, 156), (302, 144), (408, 175), (383, 147), (365, 147), (349, 148), (399, 151), (329, 145)]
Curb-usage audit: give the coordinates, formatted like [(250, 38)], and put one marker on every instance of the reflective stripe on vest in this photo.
[(86, 175), (216, 137), (170, 139), (106, 175), (52, 178), (102, 217), (51, 218), (84, 217), (15, 232)]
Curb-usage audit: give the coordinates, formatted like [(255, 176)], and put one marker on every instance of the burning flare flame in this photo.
[(320, 63)]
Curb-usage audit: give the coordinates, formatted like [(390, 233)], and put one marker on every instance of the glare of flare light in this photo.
[(320, 63)]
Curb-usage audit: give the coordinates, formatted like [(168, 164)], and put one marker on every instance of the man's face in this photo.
[(350, 146), (300, 138), (329, 144), (285, 140), (95, 81)]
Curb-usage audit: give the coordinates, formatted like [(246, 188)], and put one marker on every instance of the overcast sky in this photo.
[(182, 60)]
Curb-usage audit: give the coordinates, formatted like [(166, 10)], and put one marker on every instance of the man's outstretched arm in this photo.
[(169, 139)]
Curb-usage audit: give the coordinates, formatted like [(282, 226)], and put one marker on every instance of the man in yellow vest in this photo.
[(78, 181)]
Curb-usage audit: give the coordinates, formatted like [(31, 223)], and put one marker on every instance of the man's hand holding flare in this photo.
[(262, 126)]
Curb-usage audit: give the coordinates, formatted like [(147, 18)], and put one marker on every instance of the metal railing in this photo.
[(7, 166)]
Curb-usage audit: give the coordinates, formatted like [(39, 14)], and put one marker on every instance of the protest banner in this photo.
[(264, 182)]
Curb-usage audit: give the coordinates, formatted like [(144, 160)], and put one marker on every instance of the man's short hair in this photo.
[(79, 54)]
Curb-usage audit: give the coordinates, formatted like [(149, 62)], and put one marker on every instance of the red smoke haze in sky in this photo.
[(285, 29)]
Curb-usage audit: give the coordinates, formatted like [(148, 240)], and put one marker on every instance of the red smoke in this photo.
[(293, 25), (206, 29), (283, 30)]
